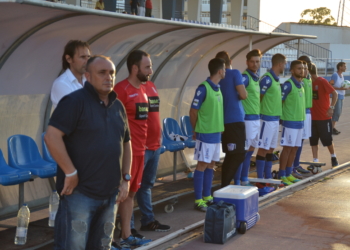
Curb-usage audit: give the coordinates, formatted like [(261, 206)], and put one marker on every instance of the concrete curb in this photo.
[(262, 198)]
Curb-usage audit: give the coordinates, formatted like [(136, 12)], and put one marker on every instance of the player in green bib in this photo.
[(207, 119), (298, 170), (251, 107), (293, 116)]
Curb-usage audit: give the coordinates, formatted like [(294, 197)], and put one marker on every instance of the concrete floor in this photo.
[(317, 217)]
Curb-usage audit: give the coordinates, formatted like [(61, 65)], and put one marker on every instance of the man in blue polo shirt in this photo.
[(88, 136), (233, 138), (293, 116)]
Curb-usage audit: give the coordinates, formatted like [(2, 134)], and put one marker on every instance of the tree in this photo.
[(320, 15)]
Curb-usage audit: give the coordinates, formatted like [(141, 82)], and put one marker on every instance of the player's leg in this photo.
[(327, 140)]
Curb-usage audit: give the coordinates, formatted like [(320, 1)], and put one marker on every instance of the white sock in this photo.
[(315, 160), (333, 155)]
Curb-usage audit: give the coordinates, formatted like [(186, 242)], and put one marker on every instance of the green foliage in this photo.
[(320, 15)]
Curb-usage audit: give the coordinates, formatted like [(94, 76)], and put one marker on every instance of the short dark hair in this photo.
[(93, 58), (340, 64), (135, 58), (224, 56), (254, 52), (305, 59), (215, 65), (294, 63), (278, 58), (70, 49), (313, 69)]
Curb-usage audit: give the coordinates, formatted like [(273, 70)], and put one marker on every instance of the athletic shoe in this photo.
[(117, 246), (247, 184), (201, 206), (260, 185), (285, 181), (302, 171), (133, 241), (291, 178), (209, 200), (335, 131), (297, 175), (136, 234), (155, 226), (334, 161)]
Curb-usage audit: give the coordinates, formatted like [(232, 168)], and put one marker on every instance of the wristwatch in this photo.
[(126, 177), (331, 107)]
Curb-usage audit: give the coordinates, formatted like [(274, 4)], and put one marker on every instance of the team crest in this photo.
[(199, 93)]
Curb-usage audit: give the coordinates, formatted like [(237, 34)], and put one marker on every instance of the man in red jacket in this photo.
[(148, 8)]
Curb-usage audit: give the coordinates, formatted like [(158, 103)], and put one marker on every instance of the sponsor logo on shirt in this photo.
[(153, 103), (134, 95), (268, 80), (195, 102), (264, 88), (141, 111), (199, 93)]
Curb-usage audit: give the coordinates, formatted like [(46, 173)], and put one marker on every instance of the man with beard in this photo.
[(270, 112), (132, 93), (252, 113), (293, 116)]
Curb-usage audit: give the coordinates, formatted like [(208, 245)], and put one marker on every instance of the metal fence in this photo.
[(306, 47)]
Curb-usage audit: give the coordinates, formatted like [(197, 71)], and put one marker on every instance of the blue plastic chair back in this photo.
[(172, 146), (186, 126), (23, 153), (22, 150), (46, 153), (170, 125)]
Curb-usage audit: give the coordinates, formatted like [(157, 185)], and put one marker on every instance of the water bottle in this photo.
[(53, 207), (22, 225)]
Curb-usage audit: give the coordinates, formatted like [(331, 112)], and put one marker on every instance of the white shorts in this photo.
[(207, 152), (307, 127), (268, 134), (252, 129), (291, 137)]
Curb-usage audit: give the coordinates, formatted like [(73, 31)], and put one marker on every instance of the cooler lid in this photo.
[(235, 192)]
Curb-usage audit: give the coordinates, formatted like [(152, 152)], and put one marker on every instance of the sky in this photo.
[(276, 11)]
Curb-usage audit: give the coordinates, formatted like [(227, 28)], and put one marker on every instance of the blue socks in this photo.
[(281, 173), (198, 184), (246, 166), (297, 156), (260, 166), (268, 167), (207, 182), (289, 171)]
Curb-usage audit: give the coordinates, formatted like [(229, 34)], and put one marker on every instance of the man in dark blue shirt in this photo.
[(88, 136), (233, 138)]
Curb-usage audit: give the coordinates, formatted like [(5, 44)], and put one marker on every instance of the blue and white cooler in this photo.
[(246, 200)]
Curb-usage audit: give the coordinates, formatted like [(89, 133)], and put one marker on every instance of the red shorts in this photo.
[(136, 172)]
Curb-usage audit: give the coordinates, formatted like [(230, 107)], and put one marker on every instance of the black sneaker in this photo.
[(335, 131), (136, 234), (334, 161), (155, 226)]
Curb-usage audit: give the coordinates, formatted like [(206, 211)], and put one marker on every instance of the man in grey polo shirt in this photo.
[(74, 59), (337, 80)]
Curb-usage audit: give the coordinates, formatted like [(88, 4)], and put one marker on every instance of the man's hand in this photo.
[(69, 184), (123, 191), (330, 112)]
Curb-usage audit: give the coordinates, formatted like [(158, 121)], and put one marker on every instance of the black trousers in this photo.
[(230, 166)]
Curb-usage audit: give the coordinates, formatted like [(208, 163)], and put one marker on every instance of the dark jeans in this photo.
[(85, 223), (144, 194)]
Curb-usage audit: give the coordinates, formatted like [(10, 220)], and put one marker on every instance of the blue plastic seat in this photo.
[(187, 129), (23, 153), (46, 153), (172, 146), (11, 176), (170, 125)]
